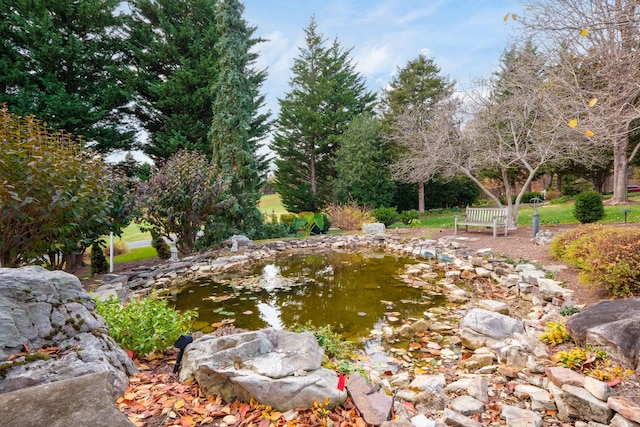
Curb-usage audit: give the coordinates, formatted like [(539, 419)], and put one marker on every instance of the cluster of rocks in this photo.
[(489, 366), (507, 379), (50, 310)]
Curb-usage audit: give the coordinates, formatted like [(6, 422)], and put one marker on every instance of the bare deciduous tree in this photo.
[(594, 44), (515, 130)]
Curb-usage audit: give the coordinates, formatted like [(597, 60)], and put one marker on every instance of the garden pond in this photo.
[(354, 293)]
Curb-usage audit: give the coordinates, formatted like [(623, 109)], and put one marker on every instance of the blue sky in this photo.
[(465, 37)]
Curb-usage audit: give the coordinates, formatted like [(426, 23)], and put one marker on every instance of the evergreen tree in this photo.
[(237, 127), (419, 84), (176, 62), (64, 63), (326, 93), (363, 175)]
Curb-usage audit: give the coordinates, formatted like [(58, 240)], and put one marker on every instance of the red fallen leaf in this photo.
[(409, 406), (264, 423), (614, 382), (244, 409), (131, 354)]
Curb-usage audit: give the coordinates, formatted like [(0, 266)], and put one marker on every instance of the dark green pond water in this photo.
[(352, 292)]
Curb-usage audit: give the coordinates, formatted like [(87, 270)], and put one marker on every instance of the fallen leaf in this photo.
[(573, 123), (584, 32), (187, 421), (589, 133), (614, 382), (592, 102)]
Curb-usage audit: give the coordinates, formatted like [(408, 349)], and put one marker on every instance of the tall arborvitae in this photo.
[(326, 93), (66, 63), (237, 127)]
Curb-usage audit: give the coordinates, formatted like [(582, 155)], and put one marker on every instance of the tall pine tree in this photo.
[(419, 84), (237, 126), (65, 63), (176, 61), (326, 93)]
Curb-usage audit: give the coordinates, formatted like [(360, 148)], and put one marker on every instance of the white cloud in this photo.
[(373, 60)]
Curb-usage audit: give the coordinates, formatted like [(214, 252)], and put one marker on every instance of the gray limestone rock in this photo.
[(82, 401), (489, 324), (42, 308), (612, 324), (373, 228), (277, 368)]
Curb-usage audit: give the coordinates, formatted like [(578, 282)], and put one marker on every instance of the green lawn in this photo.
[(136, 254), (133, 234), (560, 213), (271, 204)]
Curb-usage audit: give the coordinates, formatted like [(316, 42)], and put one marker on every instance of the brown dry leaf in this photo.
[(187, 421)]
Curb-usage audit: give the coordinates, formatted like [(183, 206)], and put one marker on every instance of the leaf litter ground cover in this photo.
[(155, 398)]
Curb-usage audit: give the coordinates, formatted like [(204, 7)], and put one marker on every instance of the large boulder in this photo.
[(481, 328), (82, 401), (277, 368), (613, 325), (50, 309)]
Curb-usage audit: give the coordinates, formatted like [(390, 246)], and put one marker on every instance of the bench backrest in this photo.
[(485, 214)]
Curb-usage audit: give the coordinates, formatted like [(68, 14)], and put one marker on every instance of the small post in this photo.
[(625, 212), (111, 250)]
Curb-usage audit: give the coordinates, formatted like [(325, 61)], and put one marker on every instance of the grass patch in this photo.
[(133, 234), (136, 254), (272, 204)]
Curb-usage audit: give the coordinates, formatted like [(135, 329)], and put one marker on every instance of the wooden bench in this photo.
[(484, 217)]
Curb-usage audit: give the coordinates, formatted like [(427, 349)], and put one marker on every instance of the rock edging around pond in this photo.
[(508, 378)]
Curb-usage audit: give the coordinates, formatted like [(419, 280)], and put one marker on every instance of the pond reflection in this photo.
[(352, 292)]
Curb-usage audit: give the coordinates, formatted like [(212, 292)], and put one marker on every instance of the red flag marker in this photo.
[(341, 380)]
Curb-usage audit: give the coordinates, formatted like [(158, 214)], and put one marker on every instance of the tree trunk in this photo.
[(421, 197), (312, 172), (620, 167)]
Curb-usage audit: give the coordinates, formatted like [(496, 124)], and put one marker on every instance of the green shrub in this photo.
[(287, 218), (387, 216), (272, 230), (574, 188), (144, 325), (526, 197), (161, 247), (589, 207), (408, 217), (99, 263)]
